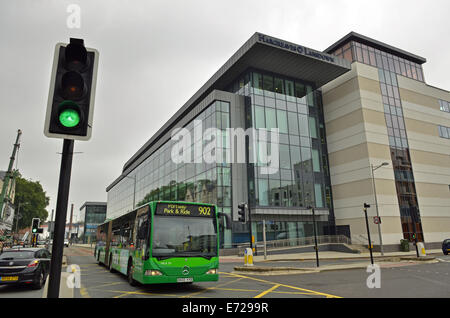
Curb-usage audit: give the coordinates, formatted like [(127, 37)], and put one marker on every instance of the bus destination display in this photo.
[(184, 210)]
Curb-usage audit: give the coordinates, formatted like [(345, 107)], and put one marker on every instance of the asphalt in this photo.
[(288, 263)]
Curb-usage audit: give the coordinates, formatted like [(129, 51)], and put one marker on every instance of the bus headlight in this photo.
[(212, 271), (153, 272)]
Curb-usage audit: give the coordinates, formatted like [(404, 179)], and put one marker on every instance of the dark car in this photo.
[(446, 246), (25, 265)]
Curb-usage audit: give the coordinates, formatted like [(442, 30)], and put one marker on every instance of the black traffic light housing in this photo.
[(35, 225), (241, 212), (70, 106)]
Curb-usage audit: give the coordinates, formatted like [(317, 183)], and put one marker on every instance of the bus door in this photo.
[(141, 237)]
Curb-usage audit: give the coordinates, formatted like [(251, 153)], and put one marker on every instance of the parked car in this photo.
[(446, 246), (25, 266), (66, 242)]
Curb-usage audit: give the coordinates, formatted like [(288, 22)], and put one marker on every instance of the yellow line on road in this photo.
[(287, 286), (210, 288), (107, 284), (268, 291), (131, 292)]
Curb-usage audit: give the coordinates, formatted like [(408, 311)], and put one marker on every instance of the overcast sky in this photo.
[(154, 55)]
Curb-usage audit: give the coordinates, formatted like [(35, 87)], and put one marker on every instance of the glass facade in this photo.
[(90, 217), (159, 178), (355, 51), (302, 179), (398, 142)]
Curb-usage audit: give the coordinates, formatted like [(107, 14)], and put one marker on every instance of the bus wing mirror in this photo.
[(225, 218)]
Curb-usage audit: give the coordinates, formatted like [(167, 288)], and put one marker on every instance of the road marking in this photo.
[(288, 286), (107, 284), (124, 293), (267, 291), (210, 288), (443, 260)]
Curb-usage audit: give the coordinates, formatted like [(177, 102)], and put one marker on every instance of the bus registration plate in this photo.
[(185, 280)]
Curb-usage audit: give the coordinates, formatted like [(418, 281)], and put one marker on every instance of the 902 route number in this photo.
[(204, 211)]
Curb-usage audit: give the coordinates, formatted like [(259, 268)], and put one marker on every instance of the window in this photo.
[(259, 117), (303, 123), (279, 86), (318, 195), (312, 127), (263, 192), (271, 120), (282, 121), (444, 106), (289, 88), (444, 132), (268, 83), (293, 124), (284, 157), (315, 160), (300, 90), (257, 83)]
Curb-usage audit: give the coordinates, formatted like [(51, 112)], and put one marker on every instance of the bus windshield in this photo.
[(184, 237)]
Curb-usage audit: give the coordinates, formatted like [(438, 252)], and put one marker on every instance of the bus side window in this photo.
[(126, 236), (115, 240)]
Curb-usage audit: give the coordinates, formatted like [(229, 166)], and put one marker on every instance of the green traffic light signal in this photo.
[(69, 118), (34, 230)]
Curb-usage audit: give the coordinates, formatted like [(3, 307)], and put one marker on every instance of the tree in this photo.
[(33, 202)]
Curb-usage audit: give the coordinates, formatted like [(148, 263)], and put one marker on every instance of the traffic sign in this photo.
[(377, 220)]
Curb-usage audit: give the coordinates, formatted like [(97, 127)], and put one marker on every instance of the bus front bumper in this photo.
[(163, 279)]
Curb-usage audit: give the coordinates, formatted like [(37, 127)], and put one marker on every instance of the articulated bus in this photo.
[(163, 242)]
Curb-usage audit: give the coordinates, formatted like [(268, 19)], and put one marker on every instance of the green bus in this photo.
[(163, 242)]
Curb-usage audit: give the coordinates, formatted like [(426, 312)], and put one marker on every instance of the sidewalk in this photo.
[(328, 260), (83, 245), (331, 255)]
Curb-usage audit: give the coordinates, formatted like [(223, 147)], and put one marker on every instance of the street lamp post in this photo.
[(372, 169)]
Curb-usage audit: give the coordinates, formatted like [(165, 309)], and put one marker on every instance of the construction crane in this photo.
[(10, 175)]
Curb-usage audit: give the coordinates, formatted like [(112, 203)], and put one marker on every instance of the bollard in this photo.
[(248, 257), (421, 248)]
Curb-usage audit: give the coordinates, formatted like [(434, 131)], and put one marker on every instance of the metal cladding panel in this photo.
[(353, 36)]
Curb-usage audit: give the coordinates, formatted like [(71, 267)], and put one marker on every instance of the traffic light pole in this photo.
[(315, 237), (368, 233), (60, 219), (250, 228)]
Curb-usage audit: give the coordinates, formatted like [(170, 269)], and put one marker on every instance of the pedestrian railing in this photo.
[(297, 242)]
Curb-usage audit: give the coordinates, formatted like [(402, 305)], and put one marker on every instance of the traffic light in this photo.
[(366, 206), (70, 105), (35, 225), (241, 212)]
